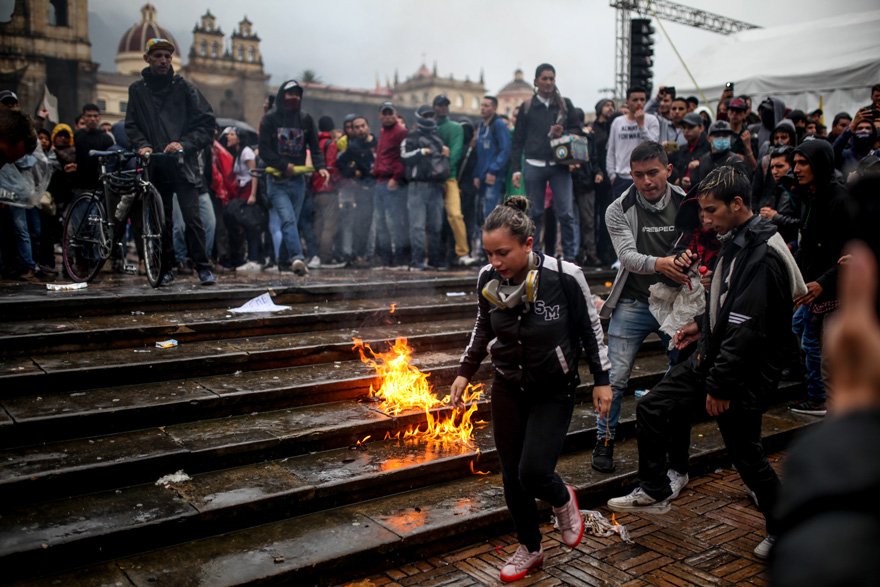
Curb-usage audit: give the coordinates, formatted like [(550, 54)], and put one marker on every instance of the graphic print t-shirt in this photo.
[(291, 142)]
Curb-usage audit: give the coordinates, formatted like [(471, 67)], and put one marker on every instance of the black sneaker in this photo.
[(603, 455), (809, 407), (166, 279), (206, 277)]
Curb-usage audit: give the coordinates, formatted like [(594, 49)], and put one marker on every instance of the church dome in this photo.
[(518, 85), (135, 38), (130, 53)]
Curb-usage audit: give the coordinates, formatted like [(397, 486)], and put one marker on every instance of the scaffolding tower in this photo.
[(665, 10)]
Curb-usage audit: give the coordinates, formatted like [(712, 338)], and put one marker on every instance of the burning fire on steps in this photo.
[(403, 386)]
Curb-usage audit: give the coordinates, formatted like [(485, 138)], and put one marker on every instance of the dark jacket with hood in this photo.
[(600, 136), (715, 159), (530, 140), (743, 350), (166, 108), (286, 134), (832, 480), (763, 186), (825, 228), (538, 348), (850, 149), (772, 111)]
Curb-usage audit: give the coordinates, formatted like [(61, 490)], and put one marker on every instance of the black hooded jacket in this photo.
[(743, 357), (825, 221), (285, 135), (165, 109)]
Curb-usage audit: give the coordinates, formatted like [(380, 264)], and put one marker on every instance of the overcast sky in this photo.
[(350, 42)]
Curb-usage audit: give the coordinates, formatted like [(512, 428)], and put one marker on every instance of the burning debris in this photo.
[(404, 387)]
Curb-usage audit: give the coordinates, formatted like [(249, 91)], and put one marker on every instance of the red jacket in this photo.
[(223, 182), (328, 148), (388, 163)]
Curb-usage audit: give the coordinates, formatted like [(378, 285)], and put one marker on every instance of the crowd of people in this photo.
[(727, 229)]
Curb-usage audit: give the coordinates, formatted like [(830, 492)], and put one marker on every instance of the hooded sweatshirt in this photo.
[(763, 186), (764, 129), (286, 134), (825, 221)]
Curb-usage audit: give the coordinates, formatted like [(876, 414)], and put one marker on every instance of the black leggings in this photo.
[(530, 426)]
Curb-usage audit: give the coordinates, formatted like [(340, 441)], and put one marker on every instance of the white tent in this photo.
[(837, 59)]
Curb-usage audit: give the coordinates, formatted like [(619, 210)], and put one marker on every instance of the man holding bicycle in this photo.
[(168, 114)]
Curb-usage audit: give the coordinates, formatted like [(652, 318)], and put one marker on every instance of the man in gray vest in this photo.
[(641, 223)]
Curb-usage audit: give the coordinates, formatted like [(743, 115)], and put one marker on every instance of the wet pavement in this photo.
[(288, 475)]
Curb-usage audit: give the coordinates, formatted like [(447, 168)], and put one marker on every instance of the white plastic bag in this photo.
[(676, 307), (23, 183)]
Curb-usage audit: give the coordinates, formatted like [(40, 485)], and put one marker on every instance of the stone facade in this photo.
[(45, 44), (514, 93)]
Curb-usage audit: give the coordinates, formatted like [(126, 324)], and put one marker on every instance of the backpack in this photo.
[(434, 167)]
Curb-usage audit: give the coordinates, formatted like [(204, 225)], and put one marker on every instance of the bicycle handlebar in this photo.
[(129, 154)]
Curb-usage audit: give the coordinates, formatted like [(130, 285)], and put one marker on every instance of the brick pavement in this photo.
[(706, 539)]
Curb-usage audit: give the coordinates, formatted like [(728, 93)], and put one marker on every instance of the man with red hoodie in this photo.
[(326, 196), (389, 199)]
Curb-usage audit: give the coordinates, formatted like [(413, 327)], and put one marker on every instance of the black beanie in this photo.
[(325, 124), (599, 105)]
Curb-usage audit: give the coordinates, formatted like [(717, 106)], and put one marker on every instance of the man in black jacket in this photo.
[(743, 337), (546, 116), (286, 132), (824, 232), (89, 138), (168, 114), (601, 127)]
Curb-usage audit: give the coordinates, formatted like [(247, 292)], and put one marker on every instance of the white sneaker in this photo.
[(314, 262), (638, 501), (677, 481), (249, 266), (521, 563), (299, 267), (762, 551), (467, 261)]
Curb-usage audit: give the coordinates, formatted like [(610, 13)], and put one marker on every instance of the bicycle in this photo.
[(90, 233)]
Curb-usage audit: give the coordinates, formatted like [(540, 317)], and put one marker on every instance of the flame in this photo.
[(403, 387), (614, 521), (475, 472), (363, 440), (393, 308)]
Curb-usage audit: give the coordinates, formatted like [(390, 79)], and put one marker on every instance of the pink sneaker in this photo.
[(569, 520), (521, 563)]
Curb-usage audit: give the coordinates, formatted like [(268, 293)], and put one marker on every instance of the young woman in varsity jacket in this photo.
[(535, 312)]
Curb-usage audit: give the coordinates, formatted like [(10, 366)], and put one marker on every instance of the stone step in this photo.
[(321, 547), (35, 302), (114, 330), (81, 465), (59, 414), (39, 373)]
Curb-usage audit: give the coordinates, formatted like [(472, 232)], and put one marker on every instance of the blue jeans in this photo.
[(287, 197), (389, 222), (631, 322), (536, 179), (306, 224), (425, 206), (808, 329), (491, 196), (22, 234), (209, 220)]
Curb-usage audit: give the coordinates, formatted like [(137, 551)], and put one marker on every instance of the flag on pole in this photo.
[(48, 106)]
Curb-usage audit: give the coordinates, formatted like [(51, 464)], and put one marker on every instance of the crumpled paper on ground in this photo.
[(598, 525), (178, 477), (261, 303), (675, 307)]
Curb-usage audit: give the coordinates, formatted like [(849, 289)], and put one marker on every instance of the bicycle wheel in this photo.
[(85, 244), (153, 216)]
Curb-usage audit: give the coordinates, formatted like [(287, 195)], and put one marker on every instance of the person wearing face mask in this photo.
[(855, 143), (286, 132), (763, 184), (720, 142)]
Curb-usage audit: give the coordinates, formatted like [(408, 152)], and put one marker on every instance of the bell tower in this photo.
[(246, 47)]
